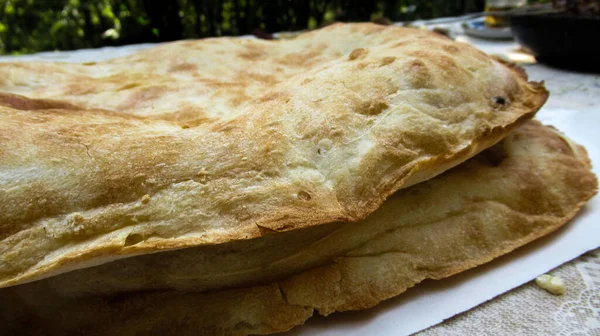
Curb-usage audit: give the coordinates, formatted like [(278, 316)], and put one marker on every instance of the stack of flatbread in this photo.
[(239, 186)]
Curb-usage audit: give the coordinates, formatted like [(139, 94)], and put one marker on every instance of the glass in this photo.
[(492, 6)]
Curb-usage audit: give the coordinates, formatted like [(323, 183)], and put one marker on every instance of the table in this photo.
[(528, 309), (525, 310)]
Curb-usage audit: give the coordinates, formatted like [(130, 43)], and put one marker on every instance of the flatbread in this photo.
[(140, 155), (527, 186), (199, 81)]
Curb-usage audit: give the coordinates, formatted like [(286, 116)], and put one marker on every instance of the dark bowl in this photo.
[(560, 40)]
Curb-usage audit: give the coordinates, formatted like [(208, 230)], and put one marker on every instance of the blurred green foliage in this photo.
[(34, 25)]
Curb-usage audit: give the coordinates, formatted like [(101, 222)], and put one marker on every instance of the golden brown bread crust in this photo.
[(526, 186), (109, 170), (193, 82)]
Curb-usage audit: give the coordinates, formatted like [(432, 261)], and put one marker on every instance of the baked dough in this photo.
[(198, 143), (525, 187)]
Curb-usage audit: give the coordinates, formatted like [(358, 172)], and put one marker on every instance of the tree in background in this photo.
[(35, 25)]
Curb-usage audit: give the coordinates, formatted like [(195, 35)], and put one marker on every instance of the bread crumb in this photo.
[(76, 218), (552, 284), (76, 222), (146, 199), (324, 145)]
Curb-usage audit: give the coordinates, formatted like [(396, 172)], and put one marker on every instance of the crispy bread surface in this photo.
[(526, 186), (206, 142)]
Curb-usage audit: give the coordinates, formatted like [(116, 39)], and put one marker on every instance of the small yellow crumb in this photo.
[(146, 199), (552, 284)]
